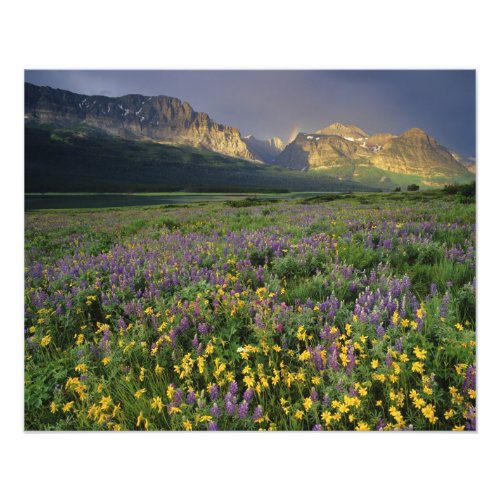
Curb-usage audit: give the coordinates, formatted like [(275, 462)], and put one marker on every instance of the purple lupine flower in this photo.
[(317, 359), (257, 413), (184, 324), (248, 395), (388, 360), (380, 332), (212, 426), (470, 425), (387, 244), (469, 380), (195, 342), (230, 407), (243, 409), (215, 410), (314, 394), (351, 359), (317, 427), (214, 392), (434, 289), (326, 401), (398, 345), (380, 424), (444, 305), (178, 397), (233, 387), (191, 398), (203, 328)]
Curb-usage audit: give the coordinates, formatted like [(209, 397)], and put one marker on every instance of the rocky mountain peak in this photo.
[(159, 118), (346, 131)]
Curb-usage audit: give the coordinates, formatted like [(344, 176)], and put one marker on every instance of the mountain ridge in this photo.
[(158, 118), (412, 153)]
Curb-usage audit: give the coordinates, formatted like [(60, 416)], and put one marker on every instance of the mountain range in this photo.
[(345, 153)]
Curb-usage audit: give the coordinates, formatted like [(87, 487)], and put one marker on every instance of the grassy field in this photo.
[(327, 312)]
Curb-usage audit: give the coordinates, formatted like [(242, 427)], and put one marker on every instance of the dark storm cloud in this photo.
[(272, 103)]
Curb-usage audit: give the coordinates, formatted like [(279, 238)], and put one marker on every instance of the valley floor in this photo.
[(329, 312)]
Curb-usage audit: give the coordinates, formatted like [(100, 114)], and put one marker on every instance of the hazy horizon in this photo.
[(280, 103)]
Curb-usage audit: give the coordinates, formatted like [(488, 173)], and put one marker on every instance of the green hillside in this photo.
[(87, 160)]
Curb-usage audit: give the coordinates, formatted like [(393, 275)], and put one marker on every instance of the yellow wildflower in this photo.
[(419, 353), (417, 367), (138, 394), (326, 416), (46, 340), (301, 333), (105, 402), (299, 414), (157, 404), (307, 404), (68, 406), (429, 413), (448, 414), (362, 426)]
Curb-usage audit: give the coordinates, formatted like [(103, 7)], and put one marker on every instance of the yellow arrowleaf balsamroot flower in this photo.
[(68, 406), (138, 394), (53, 407), (105, 402), (374, 364), (419, 353), (448, 414), (301, 333), (459, 327), (187, 425), (429, 413), (327, 417), (105, 361), (299, 414), (157, 404), (307, 404), (417, 367), (46, 340), (459, 428), (362, 426)]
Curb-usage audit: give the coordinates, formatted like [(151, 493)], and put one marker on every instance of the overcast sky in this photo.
[(279, 103)]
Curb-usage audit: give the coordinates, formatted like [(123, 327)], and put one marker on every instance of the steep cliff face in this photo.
[(266, 151), (158, 118)]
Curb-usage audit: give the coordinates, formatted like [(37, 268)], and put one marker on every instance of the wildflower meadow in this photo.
[(344, 312)]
